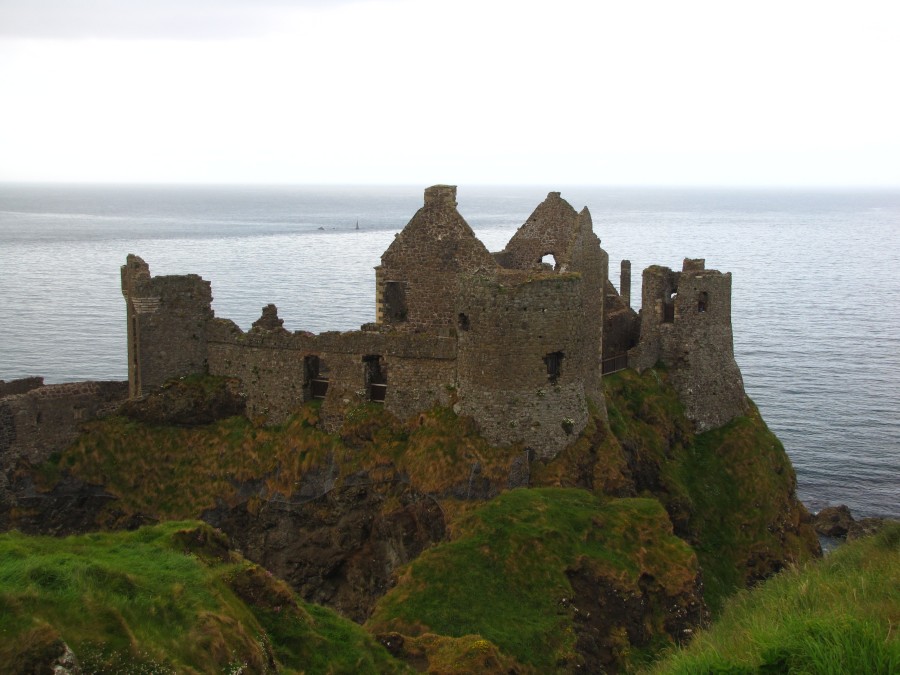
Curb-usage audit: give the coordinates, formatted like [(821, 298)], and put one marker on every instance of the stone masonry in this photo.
[(514, 339), (686, 326)]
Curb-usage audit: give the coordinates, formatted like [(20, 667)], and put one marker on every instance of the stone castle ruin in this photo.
[(515, 343)]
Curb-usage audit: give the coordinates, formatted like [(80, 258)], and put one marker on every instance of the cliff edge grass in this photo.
[(164, 599), (730, 492), (835, 615)]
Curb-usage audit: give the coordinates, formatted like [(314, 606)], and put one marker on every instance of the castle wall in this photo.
[(517, 343), (620, 324), (44, 420), (686, 325), (167, 318), (275, 369), (419, 273), (522, 359), (20, 386), (556, 229)]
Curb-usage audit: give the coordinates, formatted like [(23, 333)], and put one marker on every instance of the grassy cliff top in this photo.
[(165, 599), (836, 615)]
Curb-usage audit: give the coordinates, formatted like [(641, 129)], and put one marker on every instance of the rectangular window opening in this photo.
[(394, 301), (315, 377), (554, 366), (375, 374)]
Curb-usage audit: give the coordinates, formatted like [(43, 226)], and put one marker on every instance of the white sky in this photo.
[(470, 91)]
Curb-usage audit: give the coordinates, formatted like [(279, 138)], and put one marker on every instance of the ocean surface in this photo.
[(816, 286)]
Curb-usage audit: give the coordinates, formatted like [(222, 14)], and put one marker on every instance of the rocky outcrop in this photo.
[(342, 548), (833, 521), (838, 522)]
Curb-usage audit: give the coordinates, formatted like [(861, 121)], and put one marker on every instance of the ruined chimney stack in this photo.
[(625, 282), (441, 195)]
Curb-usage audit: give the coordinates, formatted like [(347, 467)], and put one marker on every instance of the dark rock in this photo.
[(833, 521), (70, 507), (341, 548), (611, 617), (865, 527)]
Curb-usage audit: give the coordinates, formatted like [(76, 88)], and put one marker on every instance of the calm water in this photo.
[(816, 304)]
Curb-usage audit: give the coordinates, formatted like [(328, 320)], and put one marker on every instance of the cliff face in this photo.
[(347, 517)]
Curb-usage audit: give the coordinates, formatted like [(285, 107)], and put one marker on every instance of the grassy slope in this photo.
[(177, 472), (838, 615), (731, 490), (165, 599), (503, 577)]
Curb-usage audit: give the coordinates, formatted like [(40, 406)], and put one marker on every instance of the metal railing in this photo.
[(614, 364)]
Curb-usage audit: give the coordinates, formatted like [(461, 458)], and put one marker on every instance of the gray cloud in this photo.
[(148, 19)]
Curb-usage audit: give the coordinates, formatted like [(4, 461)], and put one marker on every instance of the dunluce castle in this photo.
[(515, 342)]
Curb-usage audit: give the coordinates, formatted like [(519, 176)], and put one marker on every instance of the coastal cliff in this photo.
[(510, 469), (652, 523)]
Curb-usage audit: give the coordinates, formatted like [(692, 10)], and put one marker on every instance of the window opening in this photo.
[(549, 259), (702, 302), (375, 377), (316, 376), (395, 301), (463, 321), (554, 366), (669, 308)]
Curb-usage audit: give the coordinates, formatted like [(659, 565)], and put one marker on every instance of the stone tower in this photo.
[(167, 321), (686, 326)]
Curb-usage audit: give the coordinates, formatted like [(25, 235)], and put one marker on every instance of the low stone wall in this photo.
[(20, 386), (44, 420)]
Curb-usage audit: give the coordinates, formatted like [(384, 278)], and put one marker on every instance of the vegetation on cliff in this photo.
[(598, 565), (730, 492), (836, 615), (557, 578), (164, 599)]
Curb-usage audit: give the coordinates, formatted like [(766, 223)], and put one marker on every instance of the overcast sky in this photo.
[(471, 91)]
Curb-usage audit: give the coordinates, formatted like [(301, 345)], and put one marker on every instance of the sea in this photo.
[(815, 308)]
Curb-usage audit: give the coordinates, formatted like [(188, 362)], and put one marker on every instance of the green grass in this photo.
[(504, 577), (730, 491), (169, 598), (834, 616)]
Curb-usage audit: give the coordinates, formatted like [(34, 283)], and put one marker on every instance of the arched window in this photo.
[(549, 259)]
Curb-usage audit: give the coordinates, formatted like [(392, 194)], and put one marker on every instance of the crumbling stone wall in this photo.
[(686, 325), (556, 229), (167, 319), (621, 325), (20, 386), (273, 365), (45, 419), (515, 342), (419, 275)]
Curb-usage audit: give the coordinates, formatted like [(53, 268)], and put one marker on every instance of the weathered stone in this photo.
[(686, 326), (833, 521), (512, 341)]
